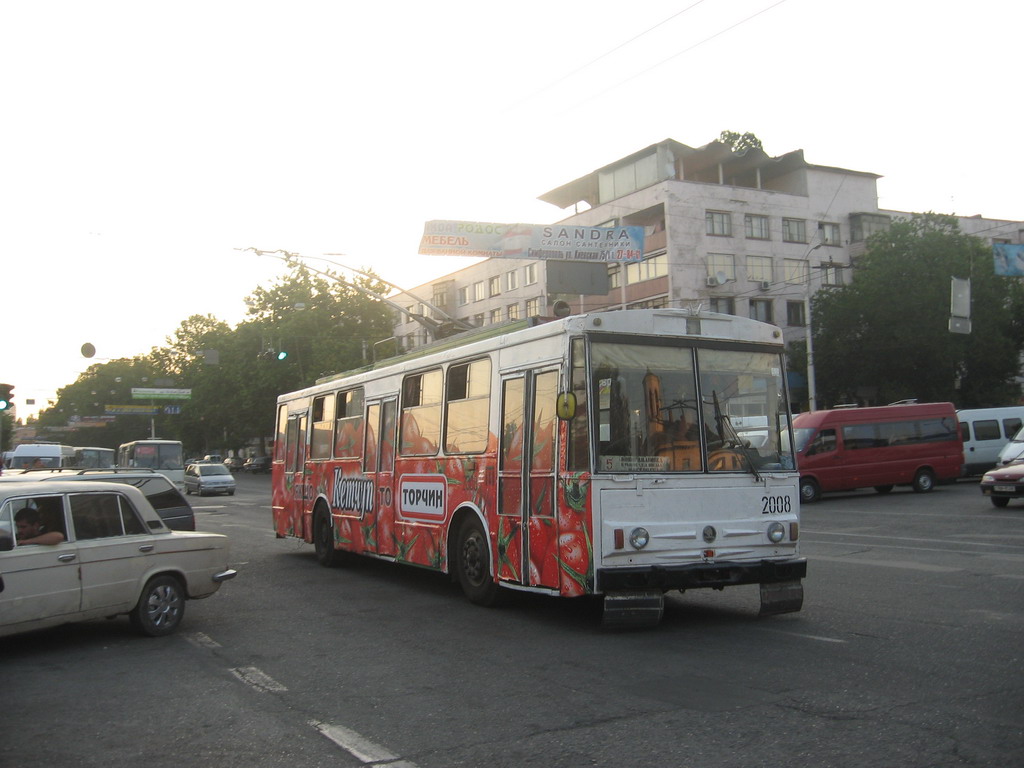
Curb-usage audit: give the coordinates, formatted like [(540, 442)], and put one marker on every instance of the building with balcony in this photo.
[(734, 232)]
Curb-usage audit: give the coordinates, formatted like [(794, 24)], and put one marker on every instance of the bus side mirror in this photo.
[(565, 405)]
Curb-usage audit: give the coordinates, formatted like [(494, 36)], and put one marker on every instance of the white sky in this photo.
[(142, 143)]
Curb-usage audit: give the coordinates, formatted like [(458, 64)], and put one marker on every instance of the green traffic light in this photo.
[(282, 355)]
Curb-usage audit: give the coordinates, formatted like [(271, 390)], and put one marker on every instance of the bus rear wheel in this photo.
[(473, 563), (924, 481)]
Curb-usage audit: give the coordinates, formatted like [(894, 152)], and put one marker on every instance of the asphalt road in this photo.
[(908, 653)]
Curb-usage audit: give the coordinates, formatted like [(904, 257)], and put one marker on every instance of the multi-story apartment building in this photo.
[(734, 232)]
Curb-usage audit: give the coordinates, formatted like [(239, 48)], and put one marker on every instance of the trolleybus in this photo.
[(590, 455), (164, 456)]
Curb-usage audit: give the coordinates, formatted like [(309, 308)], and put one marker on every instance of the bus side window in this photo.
[(824, 442)]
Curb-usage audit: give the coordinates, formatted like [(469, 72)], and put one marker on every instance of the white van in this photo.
[(42, 456), (1013, 450), (985, 431)]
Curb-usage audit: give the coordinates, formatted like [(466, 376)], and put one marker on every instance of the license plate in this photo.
[(1004, 488)]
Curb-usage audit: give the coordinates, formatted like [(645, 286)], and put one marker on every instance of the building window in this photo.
[(463, 296), (659, 302), (513, 311), (533, 307), (478, 291), (832, 274), (648, 269), (614, 276), (797, 271), (756, 226), (795, 314), (478, 320), (759, 269), (496, 315), (617, 182), (718, 223), (494, 286), (531, 274), (794, 230), (511, 280), (722, 262), (829, 233), (761, 309), (724, 305)]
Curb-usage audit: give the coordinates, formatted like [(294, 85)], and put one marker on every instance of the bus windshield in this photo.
[(667, 408)]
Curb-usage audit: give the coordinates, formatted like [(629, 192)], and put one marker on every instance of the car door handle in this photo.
[(67, 558), (146, 548)]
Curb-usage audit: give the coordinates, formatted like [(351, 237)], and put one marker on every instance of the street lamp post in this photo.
[(812, 390)]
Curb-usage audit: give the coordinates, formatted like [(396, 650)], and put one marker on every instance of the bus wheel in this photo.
[(883, 488), (924, 481), (999, 501), (323, 541), (809, 490), (474, 563)]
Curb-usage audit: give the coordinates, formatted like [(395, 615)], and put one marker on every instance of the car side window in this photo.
[(103, 515), (45, 513), (6, 528), (824, 442)]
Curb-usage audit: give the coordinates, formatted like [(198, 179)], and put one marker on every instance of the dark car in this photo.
[(1004, 483), (257, 465), (234, 463), (160, 492)]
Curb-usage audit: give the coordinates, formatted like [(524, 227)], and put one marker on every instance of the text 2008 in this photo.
[(776, 505)]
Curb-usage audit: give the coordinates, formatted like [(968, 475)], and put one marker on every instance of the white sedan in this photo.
[(77, 551)]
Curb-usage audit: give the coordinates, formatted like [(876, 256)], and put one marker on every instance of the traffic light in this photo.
[(282, 355), (6, 396)]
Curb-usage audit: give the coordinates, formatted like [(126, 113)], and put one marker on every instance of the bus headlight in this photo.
[(639, 537), (776, 532)]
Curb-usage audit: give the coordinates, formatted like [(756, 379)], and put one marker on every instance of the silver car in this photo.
[(73, 551), (209, 478)]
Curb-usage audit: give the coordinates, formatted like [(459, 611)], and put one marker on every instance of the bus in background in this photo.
[(917, 444), (165, 456), (42, 456), (985, 432), (587, 455), (94, 458)]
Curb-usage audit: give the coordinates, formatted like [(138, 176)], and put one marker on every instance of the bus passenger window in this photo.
[(421, 414), (468, 405), (348, 429)]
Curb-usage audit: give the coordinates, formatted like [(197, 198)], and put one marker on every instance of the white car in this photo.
[(208, 478), (102, 551)]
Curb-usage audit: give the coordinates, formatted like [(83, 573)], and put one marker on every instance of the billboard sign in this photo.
[(561, 242), (158, 393), (1009, 259)]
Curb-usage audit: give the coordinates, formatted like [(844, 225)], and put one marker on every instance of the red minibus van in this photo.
[(916, 444)]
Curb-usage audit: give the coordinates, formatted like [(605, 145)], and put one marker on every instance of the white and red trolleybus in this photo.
[(621, 454)]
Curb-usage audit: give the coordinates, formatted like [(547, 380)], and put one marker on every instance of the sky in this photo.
[(145, 146)]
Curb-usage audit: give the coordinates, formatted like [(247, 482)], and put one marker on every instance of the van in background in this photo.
[(41, 456), (985, 431), (917, 444), (1013, 450)]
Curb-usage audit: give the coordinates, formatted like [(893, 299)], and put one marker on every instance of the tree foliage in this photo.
[(740, 142), (885, 336), (323, 323)]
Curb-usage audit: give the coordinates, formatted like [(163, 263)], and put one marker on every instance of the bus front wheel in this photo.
[(809, 490), (924, 481), (474, 564)]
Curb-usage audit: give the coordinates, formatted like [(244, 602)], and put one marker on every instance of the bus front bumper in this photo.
[(701, 575)]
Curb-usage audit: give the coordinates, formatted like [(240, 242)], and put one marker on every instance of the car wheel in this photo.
[(473, 563), (231, 493), (188, 491), (924, 481), (883, 488), (161, 607), (323, 541), (809, 490), (999, 501)]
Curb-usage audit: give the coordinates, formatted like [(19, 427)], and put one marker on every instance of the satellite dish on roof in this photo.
[(721, 277), (88, 350)]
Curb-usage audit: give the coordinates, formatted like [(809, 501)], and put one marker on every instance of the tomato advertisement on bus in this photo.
[(599, 454), (914, 444)]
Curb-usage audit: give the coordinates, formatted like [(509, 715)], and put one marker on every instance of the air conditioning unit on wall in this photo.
[(712, 281), (765, 285)]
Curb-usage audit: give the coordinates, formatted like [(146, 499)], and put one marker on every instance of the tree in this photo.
[(740, 142), (884, 337)]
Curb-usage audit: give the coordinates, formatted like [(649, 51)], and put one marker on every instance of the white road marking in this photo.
[(886, 564), (258, 680), (202, 640), (360, 747), (801, 634)]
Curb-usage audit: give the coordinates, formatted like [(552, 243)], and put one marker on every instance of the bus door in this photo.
[(526, 480), (295, 475), (379, 468)]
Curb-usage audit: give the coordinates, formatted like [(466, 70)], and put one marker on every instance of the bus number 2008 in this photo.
[(776, 505)]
